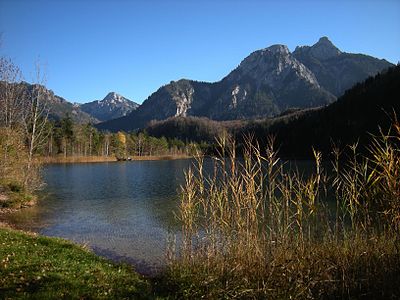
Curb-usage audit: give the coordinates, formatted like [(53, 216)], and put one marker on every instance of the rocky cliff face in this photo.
[(111, 107), (266, 83)]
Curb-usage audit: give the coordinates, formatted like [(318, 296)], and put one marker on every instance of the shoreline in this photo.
[(142, 269), (102, 159), (4, 211)]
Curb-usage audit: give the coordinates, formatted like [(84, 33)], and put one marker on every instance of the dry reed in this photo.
[(255, 229)]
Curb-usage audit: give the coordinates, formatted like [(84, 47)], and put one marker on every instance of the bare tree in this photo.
[(11, 94), (11, 112), (9, 115), (23, 119), (35, 118)]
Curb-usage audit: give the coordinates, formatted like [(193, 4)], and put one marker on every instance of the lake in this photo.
[(121, 210)]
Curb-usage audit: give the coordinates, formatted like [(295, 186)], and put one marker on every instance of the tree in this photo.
[(35, 121), (23, 119), (119, 143), (67, 133), (12, 104)]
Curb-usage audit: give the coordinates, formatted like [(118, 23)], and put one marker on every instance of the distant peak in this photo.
[(113, 96)]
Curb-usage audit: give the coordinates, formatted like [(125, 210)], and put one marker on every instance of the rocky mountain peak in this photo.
[(324, 49), (281, 49), (272, 66), (114, 97), (321, 50), (112, 106)]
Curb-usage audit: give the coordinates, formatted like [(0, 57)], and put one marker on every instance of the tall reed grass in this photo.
[(257, 229)]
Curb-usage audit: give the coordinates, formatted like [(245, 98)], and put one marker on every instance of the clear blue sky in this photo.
[(133, 47)]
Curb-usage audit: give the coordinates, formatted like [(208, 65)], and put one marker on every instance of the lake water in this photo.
[(121, 210)]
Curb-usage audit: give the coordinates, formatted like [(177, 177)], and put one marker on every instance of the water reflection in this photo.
[(122, 210)]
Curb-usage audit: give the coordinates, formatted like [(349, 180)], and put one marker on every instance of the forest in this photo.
[(66, 138)]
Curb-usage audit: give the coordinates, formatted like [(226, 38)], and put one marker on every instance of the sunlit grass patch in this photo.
[(47, 268)]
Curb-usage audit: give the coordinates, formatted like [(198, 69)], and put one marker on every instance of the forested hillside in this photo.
[(361, 111)]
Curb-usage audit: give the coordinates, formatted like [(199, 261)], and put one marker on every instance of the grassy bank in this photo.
[(37, 267)]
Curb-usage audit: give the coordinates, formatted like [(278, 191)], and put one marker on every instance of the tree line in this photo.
[(66, 138)]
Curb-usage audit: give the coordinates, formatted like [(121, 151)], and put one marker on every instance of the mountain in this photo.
[(337, 71), (362, 111), (266, 83), (365, 109), (111, 107), (58, 106)]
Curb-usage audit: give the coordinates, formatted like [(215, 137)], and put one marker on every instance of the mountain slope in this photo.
[(111, 107), (266, 83), (58, 106), (361, 111)]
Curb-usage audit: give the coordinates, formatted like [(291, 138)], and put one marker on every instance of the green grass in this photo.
[(35, 267)]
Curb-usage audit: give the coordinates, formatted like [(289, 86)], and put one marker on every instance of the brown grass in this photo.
[(253, 229), (76, 159)]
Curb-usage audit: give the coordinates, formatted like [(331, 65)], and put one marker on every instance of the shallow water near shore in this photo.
[(121, 210)]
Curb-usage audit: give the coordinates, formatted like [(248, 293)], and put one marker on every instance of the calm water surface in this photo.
[(121, 210)]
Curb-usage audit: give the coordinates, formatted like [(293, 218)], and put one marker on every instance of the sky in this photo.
[(89, 48)]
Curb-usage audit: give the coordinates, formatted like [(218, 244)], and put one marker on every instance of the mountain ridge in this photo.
[(266, 83), (111, 106)]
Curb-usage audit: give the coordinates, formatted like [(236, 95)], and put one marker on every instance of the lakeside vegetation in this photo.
[(23, 120), (255, 230)]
